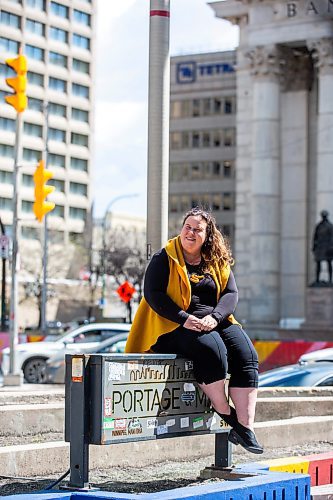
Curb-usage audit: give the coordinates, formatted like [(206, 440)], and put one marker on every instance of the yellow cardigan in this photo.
[(147, 324)]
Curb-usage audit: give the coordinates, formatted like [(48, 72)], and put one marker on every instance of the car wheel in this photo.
[(35, 371)]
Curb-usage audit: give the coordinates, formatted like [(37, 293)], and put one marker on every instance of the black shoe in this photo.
[(230, 419), (246, 438)]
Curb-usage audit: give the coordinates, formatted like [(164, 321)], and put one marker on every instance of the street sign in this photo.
[(4, 246), (125, 291)]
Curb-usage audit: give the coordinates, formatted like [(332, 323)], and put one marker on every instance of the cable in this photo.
[(50, 486)]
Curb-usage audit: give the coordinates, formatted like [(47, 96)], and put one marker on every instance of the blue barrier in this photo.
[(263, 484)]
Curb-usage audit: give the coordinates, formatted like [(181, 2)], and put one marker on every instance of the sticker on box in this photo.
[(107, 407), (188, 365), (116, 371), (184, 422), (170, 423), (152, 423), (189, 387), (161, 429), (197, 422)]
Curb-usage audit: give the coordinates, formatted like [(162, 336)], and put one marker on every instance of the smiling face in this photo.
[(193, 234)]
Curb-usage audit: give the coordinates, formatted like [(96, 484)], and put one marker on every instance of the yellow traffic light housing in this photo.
[(19, 100), (41, 206)]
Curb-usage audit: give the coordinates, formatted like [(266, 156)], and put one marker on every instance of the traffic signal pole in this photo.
[(45, 228), (14, 376)]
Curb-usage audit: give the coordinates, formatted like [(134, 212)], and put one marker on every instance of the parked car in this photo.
[(320, 355), (31, 356), (317, 374), (55, 366)]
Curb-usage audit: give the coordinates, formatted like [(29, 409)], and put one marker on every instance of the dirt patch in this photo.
[(158, 477)]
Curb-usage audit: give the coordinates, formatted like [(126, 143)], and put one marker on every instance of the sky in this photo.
[(121, 93)]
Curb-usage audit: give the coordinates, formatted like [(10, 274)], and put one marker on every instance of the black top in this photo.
[(203, 288)]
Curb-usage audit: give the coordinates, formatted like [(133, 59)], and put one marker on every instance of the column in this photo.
[(297, 73), (322, 52), (264, 242)]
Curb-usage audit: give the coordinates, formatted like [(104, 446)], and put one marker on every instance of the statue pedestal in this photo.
[(318, 324)]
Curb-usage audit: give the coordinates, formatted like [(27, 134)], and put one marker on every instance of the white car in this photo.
[(320, 355), (31, 357)]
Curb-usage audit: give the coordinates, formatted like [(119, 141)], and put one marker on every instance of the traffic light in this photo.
[(19, 100), (41, 176)]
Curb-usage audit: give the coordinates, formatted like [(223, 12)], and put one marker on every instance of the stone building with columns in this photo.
[(284, 158)]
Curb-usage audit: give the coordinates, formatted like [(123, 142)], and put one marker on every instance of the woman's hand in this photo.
[(193, 323), (208, 323)]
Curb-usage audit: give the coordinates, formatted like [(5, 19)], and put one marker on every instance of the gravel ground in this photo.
[(157, 477)]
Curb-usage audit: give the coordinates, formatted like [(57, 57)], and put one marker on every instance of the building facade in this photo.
[(58, 39), (203, 137), (284, 149)]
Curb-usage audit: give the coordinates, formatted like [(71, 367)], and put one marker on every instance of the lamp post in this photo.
[(104, 229)]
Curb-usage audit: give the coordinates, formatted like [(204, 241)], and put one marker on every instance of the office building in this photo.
[(203, 137), (58, 39)]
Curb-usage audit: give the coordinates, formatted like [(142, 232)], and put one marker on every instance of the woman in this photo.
[(189, 297)]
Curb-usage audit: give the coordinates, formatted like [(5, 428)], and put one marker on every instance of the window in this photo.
[(217, 105), (33, 129), (81, 66), (27, 180), (58, 59), (227, 169), (58, 34), (229, 137), (58, 211), (36, 4), (57, 84), (27, 206), (7, 124), (206, 106), (31, 155), (175, 109), (55, 236), (56, 134), (55, 160), (34, 52), (79, 164), (6, 177), (10, 19), (29, 233), (81, 17), (175, 140), (206, 139), (76, 238), (6, 204), (57, 109), (81, 41), (80, 115), (35, 104), (196, 107), (227, 201), (217, 138), (195, 171), (8, 45), (6, 151), (216, 169), (216, 202), (35, 27), (59, 10), (80, 90), (195, 140), (6, 71), (35, 79), (58, 184), (173, 204), (79, 139), (228, 106), (77, 188), (77, 213)]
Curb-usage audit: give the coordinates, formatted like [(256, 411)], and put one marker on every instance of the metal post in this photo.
[(44, 228), (223, 450), (14, 378), (79, 422), (3, 285), (158, 124), (104, 230)]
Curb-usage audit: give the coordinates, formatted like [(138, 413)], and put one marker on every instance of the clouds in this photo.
[(120, 160)]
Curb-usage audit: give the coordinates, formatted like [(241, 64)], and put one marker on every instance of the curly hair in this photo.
[(216, 247)]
